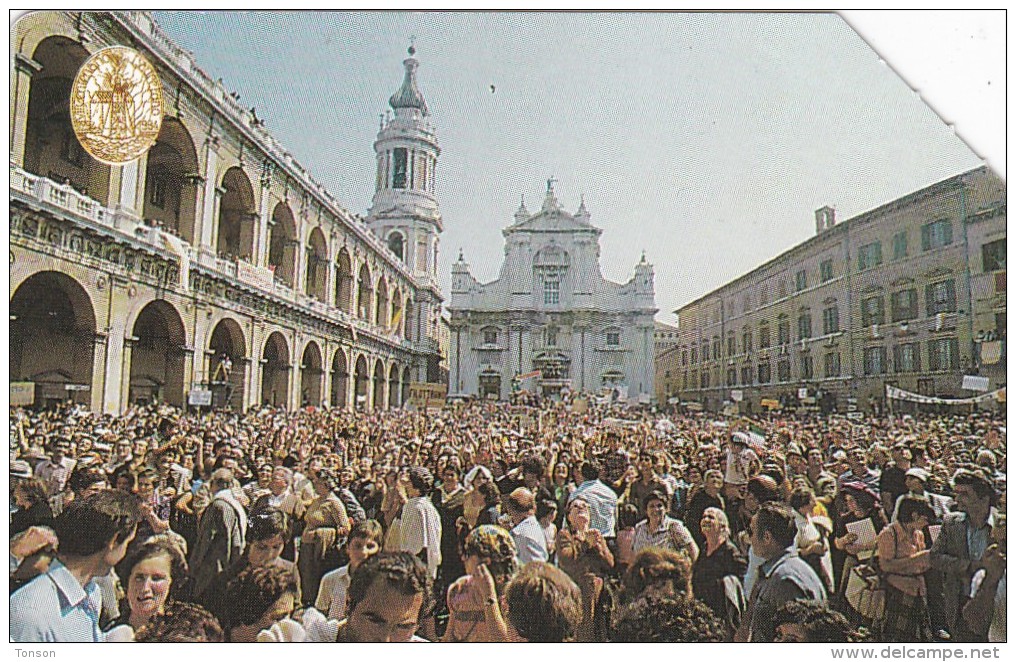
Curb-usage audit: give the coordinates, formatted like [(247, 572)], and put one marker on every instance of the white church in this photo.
[(551, 321)]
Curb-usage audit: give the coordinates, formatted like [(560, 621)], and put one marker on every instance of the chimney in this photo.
[(825, 219)]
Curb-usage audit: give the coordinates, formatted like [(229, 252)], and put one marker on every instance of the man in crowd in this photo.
[(221, 532), (530, 541), (386, 598), (601, 499)]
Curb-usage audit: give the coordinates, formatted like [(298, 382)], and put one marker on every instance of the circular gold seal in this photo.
[(116, 105)]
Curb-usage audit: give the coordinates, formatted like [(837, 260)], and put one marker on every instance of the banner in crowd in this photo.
[(895, 393)]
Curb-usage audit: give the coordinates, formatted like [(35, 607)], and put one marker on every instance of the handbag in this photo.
[(865, 591)]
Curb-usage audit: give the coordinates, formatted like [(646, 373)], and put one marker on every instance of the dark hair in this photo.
[(421, 479), (821, 624), (590, 470), (778, 520), (152, 548), (545, 507), (801, 496), (124, 471), (656, 567), (88, 525), (533, 464), (764, 488), (911, 506), (181, 622), (330, 479), (253, 592), (628, 515), (667, 618), (491, 493), (654, 495), (266, 523), (544, 604), (33, 489), (368, 529), (977, 481), (399, 570)]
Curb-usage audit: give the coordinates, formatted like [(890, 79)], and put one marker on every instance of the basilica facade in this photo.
[(214, 269), (551, 321)]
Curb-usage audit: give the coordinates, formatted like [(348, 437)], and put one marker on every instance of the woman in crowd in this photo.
[(474, 502), (859, 503), (903, 560), (326, 526), (493, 548), (256, 599), (546, 513), (812, 535), (33, 505), (561, 486), (155, 576), (584, 556), (708, 497), (717, 573)]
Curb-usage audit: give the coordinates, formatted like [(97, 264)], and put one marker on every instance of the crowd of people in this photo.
[(534, 520)]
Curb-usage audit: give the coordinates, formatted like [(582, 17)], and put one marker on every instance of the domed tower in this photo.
[(404, 212)]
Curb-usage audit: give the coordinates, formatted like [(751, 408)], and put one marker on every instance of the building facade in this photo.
[(214, 265), (911, 294), (550, 316)]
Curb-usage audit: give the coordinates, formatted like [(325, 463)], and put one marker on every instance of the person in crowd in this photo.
[(220, 538), (812, 535), (987, 602), (561, 486), (759, 490), (601, 499), (546, 514), (709, 496), (260, 486), (859, 472), (533, 469), (420, 523), (542, 604), (661, 530), (903, 560), (448, 499), (520, 507), (584, 555), (669, 619), (961, 545), (647, 482), (892, 483), (156, 575), (783, 575), (657, 571), (474, 502), (181, 622), (742, 463), (717, 572), (859, 503), (490, 560), (810, 622), (63, 603), (627, 519), (33, 505), (364, 541), (55, 471), (387, 597), (256, 599), (325, 529)]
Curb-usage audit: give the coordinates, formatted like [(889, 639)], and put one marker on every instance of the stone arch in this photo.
[(237, 215), (393, 387), (407, 379), (344, 281), (310, 375), (362, 379), (379, 384), (340, 379), (364, 294), (397, 244), (316, 280), (157, 355), (53, 332), (227, 378), (51, 147), (381, 310), (172, 180), (275, 367), (282, 244)]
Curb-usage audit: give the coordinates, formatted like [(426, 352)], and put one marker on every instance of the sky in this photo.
[(706, 140)]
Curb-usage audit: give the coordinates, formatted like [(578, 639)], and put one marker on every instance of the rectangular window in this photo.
[(832, 364), (807, 367), (694, 355), (783, 371), (804, 326), (869, 255), (716, 349), (551, 292), (705, 379), (551, 337), (936, 234), (746, 341), (940, 297), (684, 357), (904, 305), (614, 339), (874, 360), (906, 358), (872, 311), (993, 256), (401, 168), (943, 354), (732, 377), (826, 270), (783, 332), (731, 345), (900, 245), (764, 373), (746, 376), (801, 280), (490, 337), (830, 320), (763, 336)]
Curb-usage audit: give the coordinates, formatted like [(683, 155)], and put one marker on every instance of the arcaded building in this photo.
[(910, 294), (214, 265), (551, 317)]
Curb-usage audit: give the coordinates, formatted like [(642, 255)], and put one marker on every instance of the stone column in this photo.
[(210, 211), (97, 403), (188, 372), (24, 69), (260, 258), (125, 371)]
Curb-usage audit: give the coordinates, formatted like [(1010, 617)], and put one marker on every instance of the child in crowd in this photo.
[(364, 542)]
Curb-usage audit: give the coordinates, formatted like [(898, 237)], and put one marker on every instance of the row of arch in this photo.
[(172, 191), (53, 340)]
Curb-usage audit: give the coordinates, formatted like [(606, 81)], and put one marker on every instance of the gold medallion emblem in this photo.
[(116, 105)]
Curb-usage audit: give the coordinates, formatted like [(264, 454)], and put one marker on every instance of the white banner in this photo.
[(895, 393), (975, 383)]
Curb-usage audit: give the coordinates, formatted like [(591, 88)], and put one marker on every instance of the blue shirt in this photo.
[(530, 541), (780, 580), (54, 607), (602, 506)]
